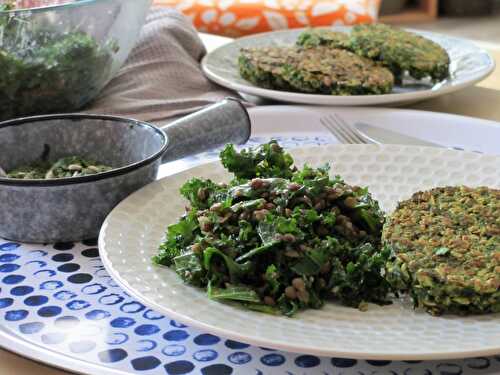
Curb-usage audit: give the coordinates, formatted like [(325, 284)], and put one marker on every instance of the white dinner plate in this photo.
[(469, 65), (132, 232)]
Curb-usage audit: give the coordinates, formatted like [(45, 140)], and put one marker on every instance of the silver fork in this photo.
[(344, 132)]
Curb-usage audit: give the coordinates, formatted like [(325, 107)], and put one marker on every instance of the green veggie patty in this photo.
[(446, 243), (317, 70), (399, 50)]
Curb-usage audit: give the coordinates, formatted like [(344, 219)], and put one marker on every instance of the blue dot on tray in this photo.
[(90, 242), (307, 361), (36, 300), (31, 328), (132, 307), (175, 335), (49, 311), (97, 315), (205, 355), (112, 355), (273, 359), (84, 346), (51, 285), (9, 246), (80, 278), (53, 338), (343, 362), (68, 267), (93, 289), (16, 315), (64, 295), (7, 258), (146, 329), (206, 339), (173, 323), (117, 338), (13, 279), (146, 345), (145, 363), (63, 257), (378, 363), (77, 304), (6, 302), (37, 263), (64, 246), (235, 344), (91, 253), (449, 369), (174, 350), (218, 369), (42, 274), (9, 267), (152, 315), (122, 322), (478, 363), (239, 358), (179, 367), (21, 290), (111, 299), (37, 253)]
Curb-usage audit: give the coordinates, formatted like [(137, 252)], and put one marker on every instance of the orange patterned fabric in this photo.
[(23, 4), (242, 17)]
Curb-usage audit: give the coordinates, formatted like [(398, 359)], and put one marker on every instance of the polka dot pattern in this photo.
[(89, 316)]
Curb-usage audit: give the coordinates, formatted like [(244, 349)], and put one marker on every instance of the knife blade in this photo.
[(378, 135)]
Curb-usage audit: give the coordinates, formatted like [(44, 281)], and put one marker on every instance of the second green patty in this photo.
[(318, 70), (446, 243), (399, 50)]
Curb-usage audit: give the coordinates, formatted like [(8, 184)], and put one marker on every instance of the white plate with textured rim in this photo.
[(469, 65), (132, 232)]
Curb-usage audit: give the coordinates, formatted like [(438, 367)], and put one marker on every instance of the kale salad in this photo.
[(278, 238), (45, 70)]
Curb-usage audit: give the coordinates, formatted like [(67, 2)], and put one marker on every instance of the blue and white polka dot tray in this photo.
[(59, 306)]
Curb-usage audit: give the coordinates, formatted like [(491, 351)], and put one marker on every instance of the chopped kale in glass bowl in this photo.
[(58, 58)]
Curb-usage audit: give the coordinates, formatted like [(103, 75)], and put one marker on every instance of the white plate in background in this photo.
[(469, 65)]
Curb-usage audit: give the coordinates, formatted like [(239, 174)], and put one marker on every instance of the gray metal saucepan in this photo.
[(72, 209)]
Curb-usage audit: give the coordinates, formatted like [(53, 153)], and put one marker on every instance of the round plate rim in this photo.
[(348, 100), (255, 340)]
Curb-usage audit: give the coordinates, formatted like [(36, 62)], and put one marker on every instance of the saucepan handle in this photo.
[(224, 122)]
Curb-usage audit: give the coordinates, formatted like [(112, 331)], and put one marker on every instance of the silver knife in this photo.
[(378, 135)]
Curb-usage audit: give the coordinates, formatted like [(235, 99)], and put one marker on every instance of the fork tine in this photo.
[(330, 126), (349, 129), (342, 130)]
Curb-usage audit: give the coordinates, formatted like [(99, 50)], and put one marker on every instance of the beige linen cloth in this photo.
[(162, 78)]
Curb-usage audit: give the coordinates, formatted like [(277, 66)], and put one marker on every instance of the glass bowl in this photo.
[(58, 58)]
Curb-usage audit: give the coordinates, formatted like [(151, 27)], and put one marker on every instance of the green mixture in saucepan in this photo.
[(278, 239), (43, 70), (71, 166)]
